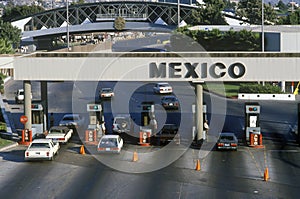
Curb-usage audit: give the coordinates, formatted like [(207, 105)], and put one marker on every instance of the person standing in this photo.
[(51, 120), (206, 128), (153, 124)]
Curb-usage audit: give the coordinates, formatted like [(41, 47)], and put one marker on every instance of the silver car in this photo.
[(162, 88), (72, 120)]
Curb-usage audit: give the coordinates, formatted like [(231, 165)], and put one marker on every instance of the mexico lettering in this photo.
[(195, 70)]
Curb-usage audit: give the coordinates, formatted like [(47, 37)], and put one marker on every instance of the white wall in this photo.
[(290, 41)]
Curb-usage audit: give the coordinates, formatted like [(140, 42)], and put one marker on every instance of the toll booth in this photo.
[(96, 123), (252, 127), (38, 119), (148, 123), (145, 137), (147, 112), (26, 133)]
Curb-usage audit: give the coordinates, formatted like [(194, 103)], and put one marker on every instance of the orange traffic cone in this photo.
[(135, 157), (198, 167), (82, 151), (266, 174)]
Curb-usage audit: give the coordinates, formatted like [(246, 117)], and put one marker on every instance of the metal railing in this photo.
[(126, 16)]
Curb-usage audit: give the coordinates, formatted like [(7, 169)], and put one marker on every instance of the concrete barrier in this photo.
[(260, 96)]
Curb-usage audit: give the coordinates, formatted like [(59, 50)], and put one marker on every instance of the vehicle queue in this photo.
[(122, 124)]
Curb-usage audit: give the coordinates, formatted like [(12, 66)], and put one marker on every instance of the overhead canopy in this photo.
[(156, 67)]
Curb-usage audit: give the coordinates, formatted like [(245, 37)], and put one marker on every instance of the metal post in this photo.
[(262, 27), (68, 42), (178, 11), (44, 99)]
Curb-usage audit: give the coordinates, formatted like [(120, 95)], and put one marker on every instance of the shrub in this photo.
[(258, 88)]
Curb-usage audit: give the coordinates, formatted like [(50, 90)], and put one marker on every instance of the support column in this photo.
[(27, 104), (282, 83), (44, 99), (199, 113)]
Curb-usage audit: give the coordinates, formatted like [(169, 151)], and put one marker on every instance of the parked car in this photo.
[(170, 102), (61, 134), (106, 93), (42, 149), (168, 133), (122, 124), (72, 120), (227, 140), (110, 144), (162, 88)]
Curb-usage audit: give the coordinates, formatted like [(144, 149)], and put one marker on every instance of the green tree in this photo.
[(209, 14), (293, 18), (252, 10), (282, 6), (9, 33), (216, 40), (12, 13), (78, 2), (2, 77), (6, 47), (119, 23), (230, 5)]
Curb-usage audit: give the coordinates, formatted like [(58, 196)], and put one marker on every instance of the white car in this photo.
[(60, 134), (162, 88), (106, 93), (20, 95), (72, 120), (110, 144), (42, 149)]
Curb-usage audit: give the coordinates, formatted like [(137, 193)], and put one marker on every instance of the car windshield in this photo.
[(163, 85), (169, 99), (40, 145), (107, 90), (108, 142), (226, 137), (70, 118), (121, 120), (56, 131)]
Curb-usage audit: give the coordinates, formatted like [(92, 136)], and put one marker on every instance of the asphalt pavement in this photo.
[(163, 172)]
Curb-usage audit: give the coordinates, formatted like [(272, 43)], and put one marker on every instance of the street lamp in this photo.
[(68, 42), (262, 27), (178, 11)]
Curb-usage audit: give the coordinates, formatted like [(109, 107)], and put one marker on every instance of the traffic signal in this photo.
[(34, 106), (94, 107), (253, 109), (147, 107)]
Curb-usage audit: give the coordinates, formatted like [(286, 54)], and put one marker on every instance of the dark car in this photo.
[(168, 133), (227, 140), (170, 102)]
